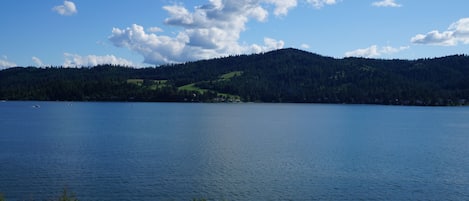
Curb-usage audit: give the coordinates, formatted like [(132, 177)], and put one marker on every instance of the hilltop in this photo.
[(285, 75)]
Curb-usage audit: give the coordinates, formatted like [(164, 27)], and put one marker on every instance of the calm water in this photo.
[(165, 151)]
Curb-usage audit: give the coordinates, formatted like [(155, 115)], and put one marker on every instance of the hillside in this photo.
[(286, 75)]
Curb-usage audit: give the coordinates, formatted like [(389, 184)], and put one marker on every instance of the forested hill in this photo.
[(286, 75)]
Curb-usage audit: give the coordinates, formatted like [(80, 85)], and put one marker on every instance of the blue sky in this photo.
[(154, 32)]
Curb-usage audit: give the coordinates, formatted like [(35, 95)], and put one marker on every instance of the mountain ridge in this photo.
[(284, 75)]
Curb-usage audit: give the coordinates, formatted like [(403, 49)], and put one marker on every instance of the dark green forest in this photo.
[(286, 75)]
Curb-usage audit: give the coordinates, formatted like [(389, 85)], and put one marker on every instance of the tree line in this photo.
[(286, 75)]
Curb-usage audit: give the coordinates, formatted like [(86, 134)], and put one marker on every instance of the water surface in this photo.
[(176, 151)]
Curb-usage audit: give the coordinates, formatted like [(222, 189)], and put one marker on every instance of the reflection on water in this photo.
[(173, 151)]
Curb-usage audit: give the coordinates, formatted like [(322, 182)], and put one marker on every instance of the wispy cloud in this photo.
[(321, 3), (5, 63), (458, 32), (304, 46), (68, 8), (75, 60), (37, 61), (386, 3), (375, 51)]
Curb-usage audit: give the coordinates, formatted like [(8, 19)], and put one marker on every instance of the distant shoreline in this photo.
[(280, 76), (185, 102)]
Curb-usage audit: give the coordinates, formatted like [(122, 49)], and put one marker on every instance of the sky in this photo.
[(140, 33)]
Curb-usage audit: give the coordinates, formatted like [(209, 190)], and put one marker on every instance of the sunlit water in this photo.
[(175, 151)]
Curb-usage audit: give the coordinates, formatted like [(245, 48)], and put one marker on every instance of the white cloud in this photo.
[(365, 52), (282, 6), (37, 61), (154, 29), (4, 63), (386, 3), (211, 30), (272, 44), (392, 50), (304, 46), (458, 32), (269, 44), (435, 38), (375, 51), (154, 48), (75, 60), (321, 3), (68, 8)]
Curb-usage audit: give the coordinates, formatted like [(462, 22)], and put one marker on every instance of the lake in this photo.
[(180, 151)]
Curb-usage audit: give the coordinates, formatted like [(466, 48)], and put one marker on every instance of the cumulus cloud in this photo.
[(68, 8), (37, 61), (375, 51), (211, 30), (269, 44), (386, 3), (458, 32), (435, 38), (321, 3), (4, 63), (282, 6), (75, 60), (154, 48)]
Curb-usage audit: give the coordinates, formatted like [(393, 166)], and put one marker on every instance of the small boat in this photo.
[(36, 106)]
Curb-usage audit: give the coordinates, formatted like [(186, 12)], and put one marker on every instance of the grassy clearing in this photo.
[(138, 82), (192, 87), (151, 84), (230, 75), (222, 97)]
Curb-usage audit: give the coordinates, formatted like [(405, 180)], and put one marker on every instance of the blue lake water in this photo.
[(176, 151)]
